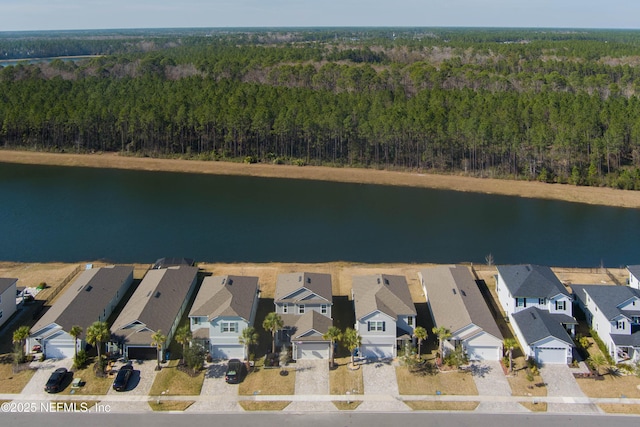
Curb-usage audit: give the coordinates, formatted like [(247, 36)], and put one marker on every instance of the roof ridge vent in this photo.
[(157, 295)]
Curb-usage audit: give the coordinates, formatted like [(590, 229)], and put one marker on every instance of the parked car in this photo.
[(122, 377), (236, 371), (54, 384)]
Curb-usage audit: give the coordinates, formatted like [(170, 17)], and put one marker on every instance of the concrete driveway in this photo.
[(379, 378), (312, 377), (35, 386), (491, 381), (144, 373), (561, 383), (222, 395)]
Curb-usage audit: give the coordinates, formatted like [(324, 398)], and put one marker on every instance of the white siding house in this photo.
[(223, 308), (634, 276), (8, 289)]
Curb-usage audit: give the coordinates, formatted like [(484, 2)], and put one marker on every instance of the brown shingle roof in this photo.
[(316, 283), (225, 296), (389, 294)]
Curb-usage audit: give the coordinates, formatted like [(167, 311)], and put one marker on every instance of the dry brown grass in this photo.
[(176, 382), (343, 380), (535, 407), (520, 385), (611, 386), (422, 405), (270, 405), (268, 382), (620, 408), (171, 405), (346, 406), (580, 194), (455, 383), (13, 383)]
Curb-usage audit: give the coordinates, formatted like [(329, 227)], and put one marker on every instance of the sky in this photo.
[(19, 15)]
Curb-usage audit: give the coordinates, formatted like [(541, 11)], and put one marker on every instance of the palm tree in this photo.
[(158, 340), (442, 334), (420, 334), (351, 340), (20, 336), (75, 332), (247, 338), (97, 334), (510, 344), (597, 361), (184, 336), (273, 322), (333, 334)]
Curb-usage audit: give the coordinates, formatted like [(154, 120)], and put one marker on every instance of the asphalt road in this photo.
[(341, 419)]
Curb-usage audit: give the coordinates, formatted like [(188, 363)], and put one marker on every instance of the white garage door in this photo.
[(227, 352), (551, 355), (482, 353), (372, 351), (58, 350), (313, 351)]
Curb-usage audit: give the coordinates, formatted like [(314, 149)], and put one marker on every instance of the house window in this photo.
[(635, 319), (285, 308), (376, 326), (301, 309), (410, 320), (620, 324), (323, 309), (196, 320), (229, 327), (560, 305), (521, 302), (541, 301)]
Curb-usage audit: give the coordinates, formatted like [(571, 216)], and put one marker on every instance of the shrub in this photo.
[(80, 359), (194, 357)]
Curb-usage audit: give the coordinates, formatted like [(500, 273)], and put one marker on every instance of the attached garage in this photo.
[(227, 352), (312, 350), (60, 345), (483, 353), (142, 353), (377, 351), (551, 355)]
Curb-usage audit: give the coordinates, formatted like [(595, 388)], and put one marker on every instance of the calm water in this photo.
[(76, 214)]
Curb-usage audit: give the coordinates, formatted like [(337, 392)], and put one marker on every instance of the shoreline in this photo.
[(527, 189)]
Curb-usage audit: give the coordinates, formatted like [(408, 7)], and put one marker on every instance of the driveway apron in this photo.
[(561, 383), (35, 386), (491, 381), (222, 397), (379, 378), (312, 377)]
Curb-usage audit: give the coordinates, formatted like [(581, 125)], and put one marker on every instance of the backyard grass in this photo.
[(421, 405), (13, 383), (268, 381), (343, 380), (173, 382), (619, 408), (626, 386), (171, 405), (455, 383), (267, 405), (346, 406), (535, 407)]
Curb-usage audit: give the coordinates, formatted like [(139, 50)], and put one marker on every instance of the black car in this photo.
[(56, 379), (122, 378), (235, 371)]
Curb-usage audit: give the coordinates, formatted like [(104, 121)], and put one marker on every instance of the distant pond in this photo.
[(50, 213)]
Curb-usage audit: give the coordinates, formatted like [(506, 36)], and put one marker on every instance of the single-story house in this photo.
[(157, 305), (90, 298), (223, 308), (455, 302), (8, 290)]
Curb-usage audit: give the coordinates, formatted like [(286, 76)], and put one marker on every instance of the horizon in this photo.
[(96, 15)]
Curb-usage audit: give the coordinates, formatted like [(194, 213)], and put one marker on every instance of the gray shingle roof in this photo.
[(606, 297), (532, 281), (536, 325), (155, 303), (86, 298), (389, 294), (225, 296), (455, 300), (5, 283), (635, 270), (317, 283)]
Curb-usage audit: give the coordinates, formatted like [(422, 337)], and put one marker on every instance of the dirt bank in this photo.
[(589, 195)]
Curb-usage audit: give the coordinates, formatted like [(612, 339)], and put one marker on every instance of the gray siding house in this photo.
[(8, 289)]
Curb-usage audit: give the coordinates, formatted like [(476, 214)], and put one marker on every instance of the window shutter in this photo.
[(369, 326), (384, 325)]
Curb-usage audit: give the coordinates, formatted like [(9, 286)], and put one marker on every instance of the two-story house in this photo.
[(7, 298), (223, 308), (304, 302), (534, 299), (385, 313), (455, 303), (614, 313)]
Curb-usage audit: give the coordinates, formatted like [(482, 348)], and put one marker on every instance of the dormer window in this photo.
[(521, 302), (620, 324), (542, 301), (560, 305)]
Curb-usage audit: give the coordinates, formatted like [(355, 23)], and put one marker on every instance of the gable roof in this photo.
[(607, 297), (455, 300), (316, 283), (536, 325), (312, 320), (634, 270), (86, 298), (386, 293), (6, 283), (225, 296), (171, 262), (155, 303), (531, 281)]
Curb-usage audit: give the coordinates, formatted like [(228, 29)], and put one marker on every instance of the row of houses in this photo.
[(535, 302)]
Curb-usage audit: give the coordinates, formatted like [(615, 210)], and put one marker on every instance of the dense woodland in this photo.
[(550, 105)]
